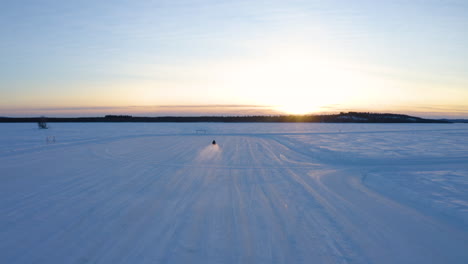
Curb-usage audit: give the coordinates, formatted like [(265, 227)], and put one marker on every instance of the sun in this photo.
[(295, 80), (299, 108)]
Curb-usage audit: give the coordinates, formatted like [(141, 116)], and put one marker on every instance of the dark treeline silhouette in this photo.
[(349, 117), (117, 116)]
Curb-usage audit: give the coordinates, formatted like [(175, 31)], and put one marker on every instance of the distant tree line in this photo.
[(118, 116), (349, 117)]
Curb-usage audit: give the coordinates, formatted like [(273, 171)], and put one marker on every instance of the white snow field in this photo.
[(267, 193)]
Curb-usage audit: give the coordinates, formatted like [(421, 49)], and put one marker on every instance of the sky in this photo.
[(219, 57)]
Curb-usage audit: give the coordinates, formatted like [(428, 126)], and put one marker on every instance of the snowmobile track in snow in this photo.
[(280, 197)]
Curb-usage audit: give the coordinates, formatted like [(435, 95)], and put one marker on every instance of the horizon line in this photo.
[(232, 116)]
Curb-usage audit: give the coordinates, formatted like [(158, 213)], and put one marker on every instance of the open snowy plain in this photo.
[(267, 193)]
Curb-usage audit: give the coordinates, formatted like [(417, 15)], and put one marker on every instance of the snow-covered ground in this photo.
[(267, 193)]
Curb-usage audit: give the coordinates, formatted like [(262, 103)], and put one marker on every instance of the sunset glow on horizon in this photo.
[(212, 57)]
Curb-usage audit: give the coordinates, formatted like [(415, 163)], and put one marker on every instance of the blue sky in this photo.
[(149, 57)]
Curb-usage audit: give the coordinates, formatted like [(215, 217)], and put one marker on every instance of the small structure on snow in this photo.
[(42, 123)]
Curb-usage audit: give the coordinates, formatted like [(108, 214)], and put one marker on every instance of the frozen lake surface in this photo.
[(267, 193)]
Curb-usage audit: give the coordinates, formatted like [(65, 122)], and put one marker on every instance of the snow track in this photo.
[(277, 194)]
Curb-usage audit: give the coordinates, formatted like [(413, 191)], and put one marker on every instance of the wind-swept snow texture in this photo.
[(266, 193)]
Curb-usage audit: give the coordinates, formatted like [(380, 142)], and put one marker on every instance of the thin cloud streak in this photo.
[(215, 106), (156, 110)]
